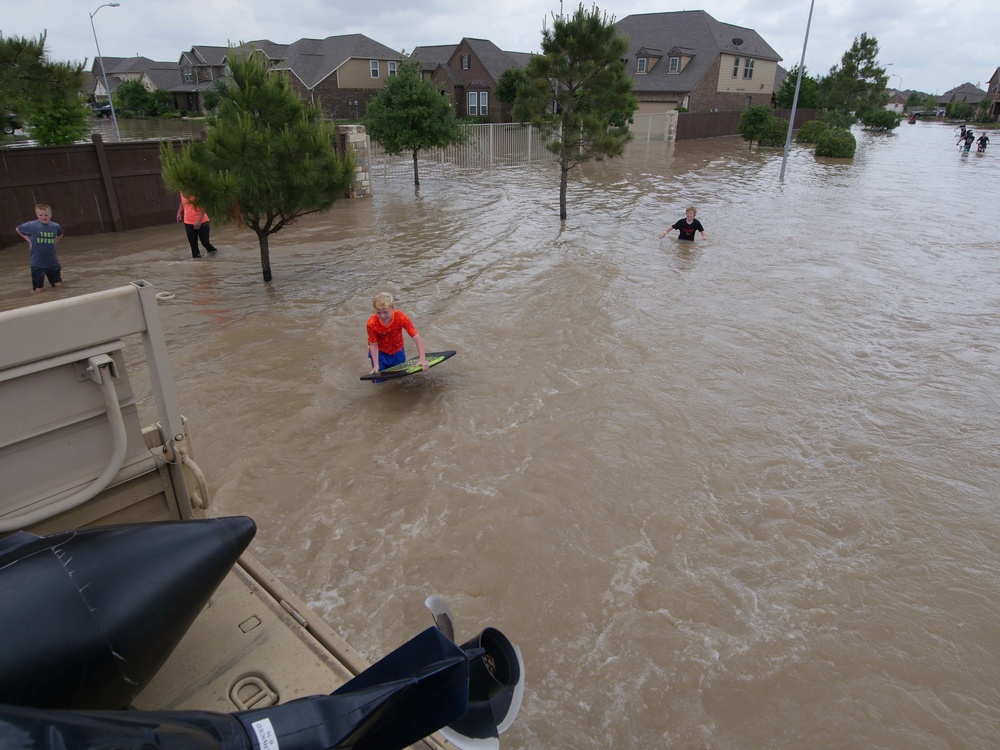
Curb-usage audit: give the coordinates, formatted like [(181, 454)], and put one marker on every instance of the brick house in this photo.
[(688, 59), (468, 73), (339, 73)]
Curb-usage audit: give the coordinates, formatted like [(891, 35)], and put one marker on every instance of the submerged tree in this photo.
[(268, 158), (410, 114), (578, 92), (755, 122), (44, 94)]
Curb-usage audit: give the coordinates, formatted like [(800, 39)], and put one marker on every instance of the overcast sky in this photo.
[(933, 45)]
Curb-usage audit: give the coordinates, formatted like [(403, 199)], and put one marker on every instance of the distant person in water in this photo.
[(42, 235), (983, 141), (967, 139), (385, 335), (195, 224), (687, 226)]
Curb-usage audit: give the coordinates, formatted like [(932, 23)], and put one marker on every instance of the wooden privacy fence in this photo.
[(92, 187), (714, 124)]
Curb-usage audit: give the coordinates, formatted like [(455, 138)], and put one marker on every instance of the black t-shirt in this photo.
[(688, 230)]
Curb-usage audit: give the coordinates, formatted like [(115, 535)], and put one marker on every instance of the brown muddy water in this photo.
[(737, 495)]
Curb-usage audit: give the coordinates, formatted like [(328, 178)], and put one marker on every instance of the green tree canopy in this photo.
[(268, 157), (578, 91), (410, 114), (507, 86), (808, 91), (132, 97), (858, 83), (44, 94), (755, 122)]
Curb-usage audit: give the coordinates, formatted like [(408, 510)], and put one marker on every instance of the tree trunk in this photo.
[(563, 181), (416, 173), (265, 255)]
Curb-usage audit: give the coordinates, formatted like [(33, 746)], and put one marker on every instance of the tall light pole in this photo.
[(795, 99), (104, 73)]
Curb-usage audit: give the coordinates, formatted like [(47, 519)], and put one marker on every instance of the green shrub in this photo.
[(810, 131), (879, 118), (837, 119), (774, 134), (837, 143)]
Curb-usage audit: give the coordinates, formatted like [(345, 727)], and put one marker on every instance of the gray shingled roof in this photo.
[(432, 56), (494, 59), (687, 29)]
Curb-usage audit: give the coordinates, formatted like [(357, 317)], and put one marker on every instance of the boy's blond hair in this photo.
[(383, 301), (42, 207), (692, 209)]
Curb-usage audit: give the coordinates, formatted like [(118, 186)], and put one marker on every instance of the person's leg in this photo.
[(37, 279), (192, 235), (203, 234), (55, 276)]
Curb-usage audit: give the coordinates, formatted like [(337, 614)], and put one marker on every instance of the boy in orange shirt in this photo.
[(385, 335)]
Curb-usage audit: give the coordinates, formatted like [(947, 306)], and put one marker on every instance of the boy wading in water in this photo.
[(687, 226), (385, 335), (42, 236)]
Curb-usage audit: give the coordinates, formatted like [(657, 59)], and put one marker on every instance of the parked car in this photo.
[(100, 109), (10, 123)]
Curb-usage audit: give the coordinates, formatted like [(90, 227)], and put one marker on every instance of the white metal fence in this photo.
[(499, 145), (489, 146)]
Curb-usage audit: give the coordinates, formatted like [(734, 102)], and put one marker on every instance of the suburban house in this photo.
[(688, 59), (897, 101), (967, 92), (993, 92), (468, 73), (339, 73), (152, 74)]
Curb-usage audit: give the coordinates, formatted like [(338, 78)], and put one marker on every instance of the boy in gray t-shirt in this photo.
[(42, 235)]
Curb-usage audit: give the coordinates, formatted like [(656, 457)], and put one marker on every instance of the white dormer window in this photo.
[(748, 68), (188, 74), (640, 65), (674, 65), (374, 68), (736, 66), (466, 62)]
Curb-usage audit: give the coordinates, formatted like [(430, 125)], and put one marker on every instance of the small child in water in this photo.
[(687, 226), (385, 335)]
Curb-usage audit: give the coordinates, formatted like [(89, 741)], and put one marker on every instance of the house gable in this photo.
[(697, 46)]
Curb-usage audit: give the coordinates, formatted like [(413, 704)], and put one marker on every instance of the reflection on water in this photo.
[(740, 495), (131, 130)]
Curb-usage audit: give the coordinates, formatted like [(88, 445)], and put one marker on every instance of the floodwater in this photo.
[(740, 494)]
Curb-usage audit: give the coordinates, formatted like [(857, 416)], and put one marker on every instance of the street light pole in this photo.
[(795, 99), (104, 73)]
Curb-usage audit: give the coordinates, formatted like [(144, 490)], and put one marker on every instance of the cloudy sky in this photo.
[(933, 45)]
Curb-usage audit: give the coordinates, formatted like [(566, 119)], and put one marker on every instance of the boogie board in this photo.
[(409, 367)]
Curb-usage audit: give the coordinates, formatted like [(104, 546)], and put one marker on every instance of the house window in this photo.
[(473, 104), (374, 68), (748, 68), (466, 62), (392, 68), (675, 65), (640, 66), (484, 103), (736, 66), (188, 75)]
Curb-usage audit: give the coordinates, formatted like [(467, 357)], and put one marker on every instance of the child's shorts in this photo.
[(388, 360), (38, 276)]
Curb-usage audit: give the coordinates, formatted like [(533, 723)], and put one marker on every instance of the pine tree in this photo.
[(578, 92), (268, 158), (858, 83), (44, 94), (410, 114)]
